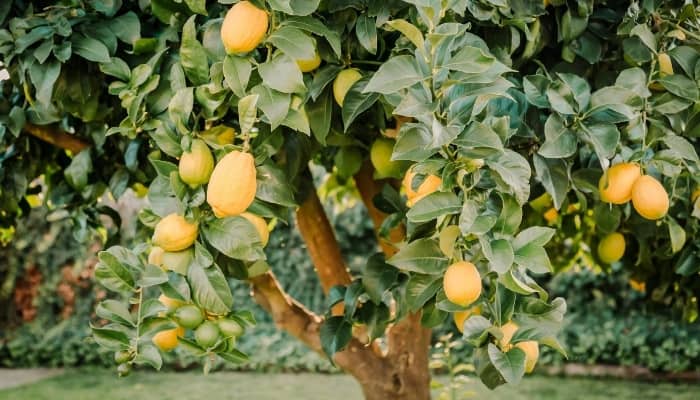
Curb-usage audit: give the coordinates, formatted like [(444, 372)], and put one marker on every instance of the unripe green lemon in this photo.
[(196, 165), (189, 316), (122, 356), (380, 155), (229, 327), (207, 334)]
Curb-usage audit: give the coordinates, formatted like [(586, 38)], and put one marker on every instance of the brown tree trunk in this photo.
[(404, 373), (399, 372)]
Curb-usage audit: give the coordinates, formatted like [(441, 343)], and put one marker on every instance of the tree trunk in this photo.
[(402, 373)]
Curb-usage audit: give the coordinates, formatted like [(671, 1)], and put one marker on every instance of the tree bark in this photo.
[(369, 188)]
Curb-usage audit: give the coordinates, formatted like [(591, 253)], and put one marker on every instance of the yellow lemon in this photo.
[(309, 64), (462, 283), (649, 198), (175, 233), (343, 82), (611, 248), (260, 225), (615, 185), (244, 28), (430, 184), (232, 185), (532, 353)]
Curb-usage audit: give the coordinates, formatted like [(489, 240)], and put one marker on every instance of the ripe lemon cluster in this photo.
[(230, 191), (624, 182), (208, 331)]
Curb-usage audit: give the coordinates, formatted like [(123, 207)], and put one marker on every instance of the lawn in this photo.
[(91, 384)]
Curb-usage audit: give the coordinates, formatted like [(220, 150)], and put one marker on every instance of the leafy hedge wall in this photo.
[(607, 321)]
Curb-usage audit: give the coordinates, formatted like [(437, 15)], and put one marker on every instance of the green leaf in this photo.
[(236, 74), (409, 30), (682, 147), (366, 31), (553, 174), (510, 365), (109, 338), (234, 237), (421, 288), (77, 172), (470, 60), (323, 77), (357, 101), (433, 206), (274, 104), (560, 141), (115, 311), (677, 235), (126, 27), (90, 49), (604, 139), (198, 6), (533, 257), (535, 235), (116, 68), (644, 33), (193, 57), (423, 256), (273, 186), (335, 334), (152, 276), (282, 74), (180, 108), (295, 7), (680, 86), (293, 42), (320, 113), (210, 289), (317, 27), (414, 143), (397, 73), (480, 140), (234, 356), (378, 277), (247, 112), (148, 355), (499, 253), (514, 170)]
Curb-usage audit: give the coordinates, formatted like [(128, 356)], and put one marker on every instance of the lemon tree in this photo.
[(492, 142)]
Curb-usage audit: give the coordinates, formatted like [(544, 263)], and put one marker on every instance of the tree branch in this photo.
[(321, 243), (56, 137), (288, 314), (369, 188), (305, 325)]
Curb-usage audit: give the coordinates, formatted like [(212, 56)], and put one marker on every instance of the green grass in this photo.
[(98, 384)]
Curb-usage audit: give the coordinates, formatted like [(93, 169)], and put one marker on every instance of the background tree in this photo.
[(499, 119)]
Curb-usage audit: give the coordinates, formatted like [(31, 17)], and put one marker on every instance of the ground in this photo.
[(90, 384)]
